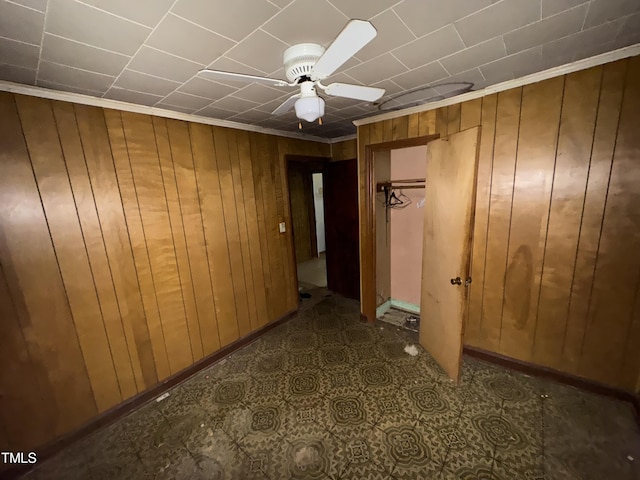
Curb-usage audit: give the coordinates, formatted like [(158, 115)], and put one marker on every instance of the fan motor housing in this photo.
[(299, 60)]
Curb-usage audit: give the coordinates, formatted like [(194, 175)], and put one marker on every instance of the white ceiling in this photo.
[(148, 52)]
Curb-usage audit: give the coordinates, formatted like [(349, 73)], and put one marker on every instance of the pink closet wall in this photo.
[(407, 227)]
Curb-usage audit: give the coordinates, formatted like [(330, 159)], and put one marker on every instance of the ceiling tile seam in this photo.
[(400, 62), (24, 6), (79, 69), (588, 29), (275, 5), (2, 37), (86, 44), (142, 44), (460, 36), (116, 88), (415, 37), (271, 35), (585, 16), (204, 28), (221, 56), (189, 95), (44, 29), (153, 76), (443, 67), (338, 10), (18, 66), (147, 27), (71, 86)]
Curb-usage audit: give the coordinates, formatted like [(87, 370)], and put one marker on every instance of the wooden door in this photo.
[(449, 209), (303, 216), (341, 228)]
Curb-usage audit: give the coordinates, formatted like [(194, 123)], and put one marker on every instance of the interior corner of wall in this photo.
[(382, 309)]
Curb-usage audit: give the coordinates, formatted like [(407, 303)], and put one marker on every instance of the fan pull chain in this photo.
[(319, 120), (299, 125)]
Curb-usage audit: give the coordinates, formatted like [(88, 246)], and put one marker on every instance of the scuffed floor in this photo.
[(326, 396)]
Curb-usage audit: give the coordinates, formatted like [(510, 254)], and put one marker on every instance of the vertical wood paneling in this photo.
[(47, 160), (137, 237), (413, 128), (238, 201), (503, 165), (130, 247), (215, 239), (618, 264), (253, 229), (147, 179), (400, 128), (94, 243), (231, 228), (487, 119), (556, 274), (537, 140), (27, 257), (577, 125), (178, 237), (189, 199)]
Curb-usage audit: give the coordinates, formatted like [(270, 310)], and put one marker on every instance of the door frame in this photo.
[(316, 164), (366, 202)]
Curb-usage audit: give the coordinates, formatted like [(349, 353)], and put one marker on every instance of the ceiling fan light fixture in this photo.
[(309, 108)]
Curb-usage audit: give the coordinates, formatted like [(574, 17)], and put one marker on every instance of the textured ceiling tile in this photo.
[(629, 32), (421, 76), (215, 112), (19, 23), (426, 16), (376, 70), (235, 104), (129, 96), (601, 11), (514, 66), (68, 88), (269, 107), (19, 54), (362, 10), (551, 7), (140, 82), (497, 19), (391, 34), (160, 64), (11, 73), (337, 103), (474, 56), (73, 77), (40, 5), (390, 87), (563, 50), (175, 108), (184, 39), (430, 47), (552, 28), (60, 50), (206, 88), (262, 94), (259, 50), (250, 116), (85, 24), (234, 19), (146, 12), (305, 21), (180, 99), (472, 76), (227, 65), (340, 77)]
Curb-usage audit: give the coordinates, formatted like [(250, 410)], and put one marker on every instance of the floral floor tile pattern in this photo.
[(325, 396)]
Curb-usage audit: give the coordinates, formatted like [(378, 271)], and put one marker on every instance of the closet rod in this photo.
[(404, 184)]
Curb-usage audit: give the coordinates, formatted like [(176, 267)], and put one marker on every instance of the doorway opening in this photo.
[(323, 199)]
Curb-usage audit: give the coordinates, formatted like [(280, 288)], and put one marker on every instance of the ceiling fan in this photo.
[(307, 64)]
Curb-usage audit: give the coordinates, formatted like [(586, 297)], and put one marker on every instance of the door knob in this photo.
[(456, 281), (467, 282)]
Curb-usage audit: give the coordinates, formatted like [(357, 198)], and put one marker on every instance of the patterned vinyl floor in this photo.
[(325, 396)]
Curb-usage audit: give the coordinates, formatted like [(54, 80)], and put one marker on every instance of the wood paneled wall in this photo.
[(131, 246), (556, 254), (303, 220), (345, 150)]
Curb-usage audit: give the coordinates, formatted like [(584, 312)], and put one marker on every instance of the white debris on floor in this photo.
[(411, 350)]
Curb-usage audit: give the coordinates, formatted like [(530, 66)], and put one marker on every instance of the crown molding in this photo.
[(143, 109), (630, 51), (353, 136)]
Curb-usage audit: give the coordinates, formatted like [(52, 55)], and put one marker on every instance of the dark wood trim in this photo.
[(367, 235), (556, 376), (119, 411)]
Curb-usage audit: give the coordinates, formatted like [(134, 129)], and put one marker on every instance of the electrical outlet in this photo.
[(283, 227)]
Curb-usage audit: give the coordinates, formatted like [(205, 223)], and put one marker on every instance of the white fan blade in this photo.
[(241, 77), (355, 35), (286, 105), (368, 94)]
